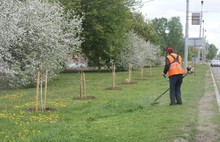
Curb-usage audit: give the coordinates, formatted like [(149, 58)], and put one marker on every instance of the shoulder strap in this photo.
[(175, 59)]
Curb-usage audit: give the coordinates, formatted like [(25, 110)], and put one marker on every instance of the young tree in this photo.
[(139, 53), (35, 35)]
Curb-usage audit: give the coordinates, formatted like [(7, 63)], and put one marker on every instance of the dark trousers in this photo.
[(175, 85)]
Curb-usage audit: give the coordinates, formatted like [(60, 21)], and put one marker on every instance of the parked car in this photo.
[(215, 63)]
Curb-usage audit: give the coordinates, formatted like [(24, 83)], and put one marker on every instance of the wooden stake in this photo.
[(37, 89), (114, 77), (142, 72), (84, 84), (45, 91), (130, 72), (81, 84)]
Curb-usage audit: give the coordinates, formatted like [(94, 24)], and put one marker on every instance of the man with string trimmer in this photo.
[(173, 66)]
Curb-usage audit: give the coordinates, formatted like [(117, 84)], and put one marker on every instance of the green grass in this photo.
[(114, 116)]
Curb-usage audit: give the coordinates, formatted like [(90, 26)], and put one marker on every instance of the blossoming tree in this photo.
[(35, 35), (139, 53)]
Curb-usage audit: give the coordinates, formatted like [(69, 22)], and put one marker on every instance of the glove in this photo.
[(163, 74)]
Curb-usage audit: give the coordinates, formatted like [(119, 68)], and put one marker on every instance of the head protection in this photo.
[(169, 50)]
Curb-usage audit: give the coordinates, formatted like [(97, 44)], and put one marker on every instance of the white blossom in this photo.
[(139, 53), (35, 35)]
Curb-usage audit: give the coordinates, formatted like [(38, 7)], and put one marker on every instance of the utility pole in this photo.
[(186, 36)]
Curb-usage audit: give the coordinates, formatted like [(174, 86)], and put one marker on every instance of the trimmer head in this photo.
[(154, 103)]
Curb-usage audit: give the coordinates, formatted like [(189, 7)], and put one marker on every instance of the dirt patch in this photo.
[(85, 98), (46, 109), (113, 88), (207, 130), (127, 81)]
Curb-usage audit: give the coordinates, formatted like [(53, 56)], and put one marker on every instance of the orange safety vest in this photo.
[(175, 64)]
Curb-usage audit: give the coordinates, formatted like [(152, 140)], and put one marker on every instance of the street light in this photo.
[(186, 36), (201, 14)]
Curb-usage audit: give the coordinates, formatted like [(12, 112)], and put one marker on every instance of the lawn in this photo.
[(121, 115)]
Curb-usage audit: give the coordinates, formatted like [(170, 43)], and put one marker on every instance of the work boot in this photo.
[(179, 103), (171, 104)]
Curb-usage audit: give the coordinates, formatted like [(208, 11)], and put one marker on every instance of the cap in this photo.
[(169, 50)]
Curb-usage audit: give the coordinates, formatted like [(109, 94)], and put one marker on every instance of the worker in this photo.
[(173, 65)]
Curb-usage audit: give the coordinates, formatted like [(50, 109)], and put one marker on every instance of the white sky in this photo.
[(170, 8)]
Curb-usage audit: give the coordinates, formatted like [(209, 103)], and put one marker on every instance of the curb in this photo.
[(216, 90)]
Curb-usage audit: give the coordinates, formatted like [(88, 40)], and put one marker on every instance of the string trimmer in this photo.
[(155, 101)]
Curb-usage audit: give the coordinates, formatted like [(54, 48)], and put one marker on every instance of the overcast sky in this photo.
[(170, 8)]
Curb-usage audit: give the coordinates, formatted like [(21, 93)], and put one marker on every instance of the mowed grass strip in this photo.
[(119, 115)]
